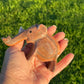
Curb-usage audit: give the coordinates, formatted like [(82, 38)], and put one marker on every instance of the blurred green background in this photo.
[(67, 15)]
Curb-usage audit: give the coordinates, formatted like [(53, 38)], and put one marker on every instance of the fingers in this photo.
[(51, 30), (46, 73), (59, 36), (63, 44), (63, 63)]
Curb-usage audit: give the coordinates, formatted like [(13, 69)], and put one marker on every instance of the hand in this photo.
[(17, 69)]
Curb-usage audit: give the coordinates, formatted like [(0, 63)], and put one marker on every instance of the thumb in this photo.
[(16, 47), (19, 45)]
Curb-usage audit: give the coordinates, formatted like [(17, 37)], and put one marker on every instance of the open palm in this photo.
[(32, 71)]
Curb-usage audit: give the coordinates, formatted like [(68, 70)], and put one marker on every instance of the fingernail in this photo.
[(55, 26), (66, 39)]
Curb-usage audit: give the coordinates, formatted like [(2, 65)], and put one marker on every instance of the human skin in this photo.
[(17, 69)]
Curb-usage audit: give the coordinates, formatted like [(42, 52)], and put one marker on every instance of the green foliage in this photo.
[(68, 15)]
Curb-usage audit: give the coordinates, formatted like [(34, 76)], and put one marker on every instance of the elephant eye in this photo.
[(30, 31)]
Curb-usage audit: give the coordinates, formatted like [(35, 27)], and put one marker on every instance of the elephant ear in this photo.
[(21, 30), (42, 28)]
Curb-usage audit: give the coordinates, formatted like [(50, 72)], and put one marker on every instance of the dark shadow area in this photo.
[(29, 50)]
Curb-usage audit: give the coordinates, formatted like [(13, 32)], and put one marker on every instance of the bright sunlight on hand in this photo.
[(22, 71)]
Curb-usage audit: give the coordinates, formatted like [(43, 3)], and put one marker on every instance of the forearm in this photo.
[(1, 79), (6, 80)]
